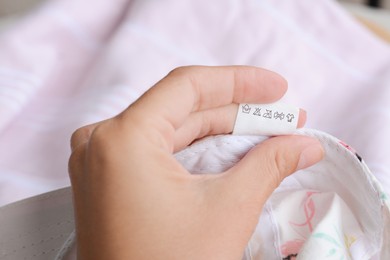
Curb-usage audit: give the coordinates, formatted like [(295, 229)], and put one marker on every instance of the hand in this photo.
[(133, 200)]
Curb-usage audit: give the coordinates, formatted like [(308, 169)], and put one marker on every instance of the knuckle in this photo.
[(184, 71), (99, 137), (284, 164), (106, 141), (273, 167), (87, 152), (79, 136), (179, 71), (280, 165), (274, 171)]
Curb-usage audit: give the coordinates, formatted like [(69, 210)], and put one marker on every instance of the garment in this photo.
[(333, 210), (66, 64)]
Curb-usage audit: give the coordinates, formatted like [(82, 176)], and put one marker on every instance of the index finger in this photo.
[(196, 88)]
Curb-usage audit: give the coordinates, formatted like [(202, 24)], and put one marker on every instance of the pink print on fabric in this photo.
[(309, 210), (291, 248), (333, 240)]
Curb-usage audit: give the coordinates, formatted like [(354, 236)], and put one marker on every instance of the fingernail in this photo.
[(311, 154), (302, 118)]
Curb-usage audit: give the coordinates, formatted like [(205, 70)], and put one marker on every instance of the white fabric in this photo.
[(333, 210), (73, 62)]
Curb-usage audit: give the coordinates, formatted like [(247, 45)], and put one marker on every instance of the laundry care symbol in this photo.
[(246, 109), (268, 114), (290, 117), (279, 115), (257, 111)]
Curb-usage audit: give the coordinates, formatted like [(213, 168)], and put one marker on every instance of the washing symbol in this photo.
[(246, 109), (279, 115), (290, 117)]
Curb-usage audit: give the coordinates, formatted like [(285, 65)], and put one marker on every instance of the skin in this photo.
[(133, 200)]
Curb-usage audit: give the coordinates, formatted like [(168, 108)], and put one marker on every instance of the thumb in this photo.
[(236, 197), (261, 171)]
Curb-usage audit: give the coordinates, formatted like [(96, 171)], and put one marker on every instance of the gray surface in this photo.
[(12, 7), (36, 228)]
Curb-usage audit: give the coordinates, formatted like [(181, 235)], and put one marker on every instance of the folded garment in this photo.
[(335, 209)]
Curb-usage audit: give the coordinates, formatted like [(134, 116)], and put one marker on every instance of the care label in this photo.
[(266, 119)]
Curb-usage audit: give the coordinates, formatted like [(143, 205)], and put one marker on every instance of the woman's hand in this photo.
[(133, 200)]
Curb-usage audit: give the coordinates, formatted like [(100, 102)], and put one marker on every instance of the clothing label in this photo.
[(266, 119)]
